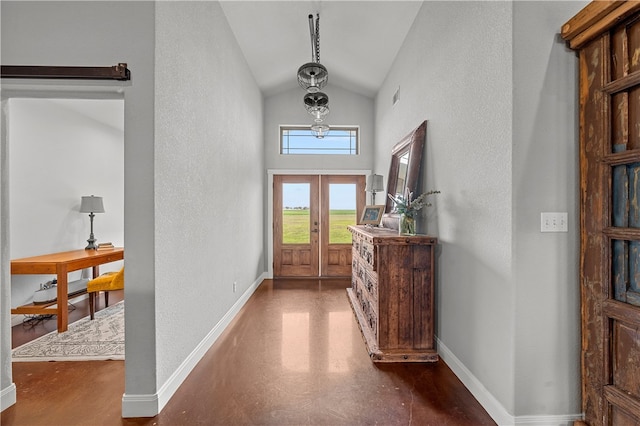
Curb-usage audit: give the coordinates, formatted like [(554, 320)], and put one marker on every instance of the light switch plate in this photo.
[(554, 222)]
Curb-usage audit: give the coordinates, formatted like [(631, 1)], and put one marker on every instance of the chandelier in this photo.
[(312, 77)]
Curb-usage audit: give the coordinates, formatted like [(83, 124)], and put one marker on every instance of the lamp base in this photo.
[(92, 244)]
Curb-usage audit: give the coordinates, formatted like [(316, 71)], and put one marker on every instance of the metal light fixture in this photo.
[(320, 130), (313, 76), (91, 204), (317, 104), (374, 184)]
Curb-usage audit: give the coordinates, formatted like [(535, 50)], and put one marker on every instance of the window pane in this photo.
[(626, 195), (342, 212), (295, 213), (338, 141), (625, 270)]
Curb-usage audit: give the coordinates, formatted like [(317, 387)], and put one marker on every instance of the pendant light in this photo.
[(313, 76), (317, 104)]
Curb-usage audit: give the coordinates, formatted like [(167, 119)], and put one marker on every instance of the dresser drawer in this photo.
[(369, 309)]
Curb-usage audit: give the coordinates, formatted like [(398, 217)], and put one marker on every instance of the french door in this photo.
[(310, 218)]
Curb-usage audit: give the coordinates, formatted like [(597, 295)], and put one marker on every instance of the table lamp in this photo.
[(374, 184), (91, 204)]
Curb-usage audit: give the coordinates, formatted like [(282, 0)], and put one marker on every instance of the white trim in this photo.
[(150, 405), (477, 389), (491, 405), (270, 173), (7, 397), (145, 405), (564, 420)]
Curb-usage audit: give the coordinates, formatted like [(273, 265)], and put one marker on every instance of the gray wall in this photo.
[(499, 97), (545, 178), (209, 176)]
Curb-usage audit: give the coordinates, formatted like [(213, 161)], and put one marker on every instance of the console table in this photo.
[(392, 293), (61, 264)]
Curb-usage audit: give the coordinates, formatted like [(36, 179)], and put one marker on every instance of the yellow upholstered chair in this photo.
[(105, 282)]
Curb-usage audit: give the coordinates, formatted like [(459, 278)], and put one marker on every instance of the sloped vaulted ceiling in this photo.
[(358, 39)]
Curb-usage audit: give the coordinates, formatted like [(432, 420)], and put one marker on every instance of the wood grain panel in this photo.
[(626, 358), (592, 179)]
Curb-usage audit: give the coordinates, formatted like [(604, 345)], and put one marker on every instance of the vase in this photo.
[(407, 225)]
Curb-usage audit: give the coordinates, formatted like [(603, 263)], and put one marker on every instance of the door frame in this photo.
[(269, 201)]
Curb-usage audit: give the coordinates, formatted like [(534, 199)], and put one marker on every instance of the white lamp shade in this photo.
[(91, 204), (374, 183)]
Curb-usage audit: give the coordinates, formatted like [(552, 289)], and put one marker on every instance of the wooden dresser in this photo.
[(392, 293)]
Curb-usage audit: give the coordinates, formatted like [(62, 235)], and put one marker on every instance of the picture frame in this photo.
[(372, 215)]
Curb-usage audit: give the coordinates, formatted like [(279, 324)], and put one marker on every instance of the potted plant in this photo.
[(407, 208)]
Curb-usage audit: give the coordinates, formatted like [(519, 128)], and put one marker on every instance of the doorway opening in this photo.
[(310, 218), (61, 147)]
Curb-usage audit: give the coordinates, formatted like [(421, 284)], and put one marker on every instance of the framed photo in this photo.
[(371, 215)]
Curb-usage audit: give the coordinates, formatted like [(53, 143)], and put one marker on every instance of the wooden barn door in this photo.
[(607, 36)]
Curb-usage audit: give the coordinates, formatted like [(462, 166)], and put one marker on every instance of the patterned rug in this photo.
[(100, 339)]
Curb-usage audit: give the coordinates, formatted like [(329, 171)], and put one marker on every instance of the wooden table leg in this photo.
[(63, 311)]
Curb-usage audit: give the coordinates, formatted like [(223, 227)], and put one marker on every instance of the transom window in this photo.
[(303, 140)]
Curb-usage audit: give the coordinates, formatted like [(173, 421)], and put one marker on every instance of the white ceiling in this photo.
[(358, 39)]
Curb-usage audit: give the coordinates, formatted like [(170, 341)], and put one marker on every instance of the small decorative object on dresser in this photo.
[(408, 210), (371, 215), (392, 293)]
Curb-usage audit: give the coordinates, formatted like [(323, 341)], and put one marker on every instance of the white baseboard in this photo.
[(7, 397), (566, 420), (493, 407), (151, 405), (477, 389)]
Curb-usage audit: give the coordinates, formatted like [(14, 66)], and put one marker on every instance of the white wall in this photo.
[(60, 150), (545, 178), (209, 177), (499, 289), (460, 81)]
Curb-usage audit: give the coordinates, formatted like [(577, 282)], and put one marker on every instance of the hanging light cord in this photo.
[(318, 38), (315, 38)]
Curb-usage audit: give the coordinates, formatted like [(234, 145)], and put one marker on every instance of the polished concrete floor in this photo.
[(293, 356)]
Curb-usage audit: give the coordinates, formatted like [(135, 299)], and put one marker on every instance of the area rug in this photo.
[(85, 340)]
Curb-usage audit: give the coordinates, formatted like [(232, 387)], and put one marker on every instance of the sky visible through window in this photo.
[(300, 140)]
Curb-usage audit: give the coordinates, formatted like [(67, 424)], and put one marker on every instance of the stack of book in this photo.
[(105, 246)]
